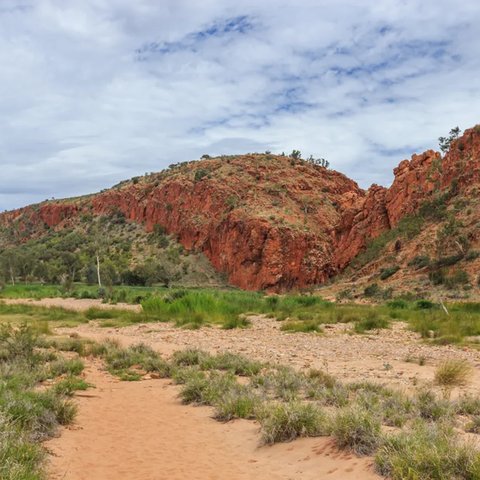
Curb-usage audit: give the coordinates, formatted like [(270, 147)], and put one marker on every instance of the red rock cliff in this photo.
[(268, 222)]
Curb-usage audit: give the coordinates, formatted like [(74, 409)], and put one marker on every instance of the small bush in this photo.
[(424, 305), (319, 377), (283, 422), (200, 174), (70, 385), (284, 383), (458, 277), (472, 255), (427, 452), (189, 357), (388, 272), (432, 408), (236, 364), (397, 304), (474, 425), (194, 388), (468, 405), (372, 290), (370, 322), (302, 326), (240, 321), (420, 261), (453, 373), (73, 367), (358, 430), (207, 390), (237, 403), (448, 261)]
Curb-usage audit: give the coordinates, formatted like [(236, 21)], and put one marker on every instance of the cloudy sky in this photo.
[(96, 91)]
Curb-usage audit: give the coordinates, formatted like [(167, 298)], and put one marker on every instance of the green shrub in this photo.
[(458, 277), (284, 382), (424, 305), (62, 366), (305, 326), (472, 255), (397, 304), (448, 261), (236, 364), (474, 425), (189, 357), (356, 429), (237, 403), (432, 408), (371, 290), (200, 174), (420, 261), (207, 390), (468, 405), (388, 272), (283, 422), (68, 386), (240, 321), (321, 378), (370, 322), (437, 277), (427, 452)]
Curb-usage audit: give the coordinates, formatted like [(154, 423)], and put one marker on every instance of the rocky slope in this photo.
[(275, 222)]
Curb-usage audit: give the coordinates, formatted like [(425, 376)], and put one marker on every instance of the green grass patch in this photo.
[(28, 415), (427, 452), (372, 321)]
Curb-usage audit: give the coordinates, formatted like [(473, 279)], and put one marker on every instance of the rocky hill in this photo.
[(276, 222)]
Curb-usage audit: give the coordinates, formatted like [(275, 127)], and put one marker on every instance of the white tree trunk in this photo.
[(98, 272)]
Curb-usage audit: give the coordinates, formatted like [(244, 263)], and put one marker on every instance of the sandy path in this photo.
[(139, 430)]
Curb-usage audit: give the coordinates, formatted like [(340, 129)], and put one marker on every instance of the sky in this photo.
[(94, 92)]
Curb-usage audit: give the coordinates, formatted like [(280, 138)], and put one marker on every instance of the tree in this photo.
[(445, 142), (321, 162), (296, 154), (9, 265), (99, 236)]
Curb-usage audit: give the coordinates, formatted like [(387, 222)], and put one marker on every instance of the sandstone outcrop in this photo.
[(267, 221)]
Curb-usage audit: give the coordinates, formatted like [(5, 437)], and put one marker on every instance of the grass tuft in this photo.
[(283, 422), (427, 452), (357, 430), (453, 373)]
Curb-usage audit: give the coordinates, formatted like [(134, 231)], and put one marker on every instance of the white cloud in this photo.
[(93, 92)]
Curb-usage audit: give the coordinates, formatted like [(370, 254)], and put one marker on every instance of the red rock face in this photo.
[(266, 221), (256, 251), (367, 219), (462, 162), (415, 180)]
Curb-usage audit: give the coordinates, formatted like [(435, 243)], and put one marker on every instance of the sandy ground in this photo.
[(139, 430), (79, 305), (379, 356)]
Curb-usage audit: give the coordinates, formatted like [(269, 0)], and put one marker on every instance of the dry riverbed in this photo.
[(130, 430)]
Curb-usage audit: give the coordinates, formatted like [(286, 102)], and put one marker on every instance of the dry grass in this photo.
[(453, 373)]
